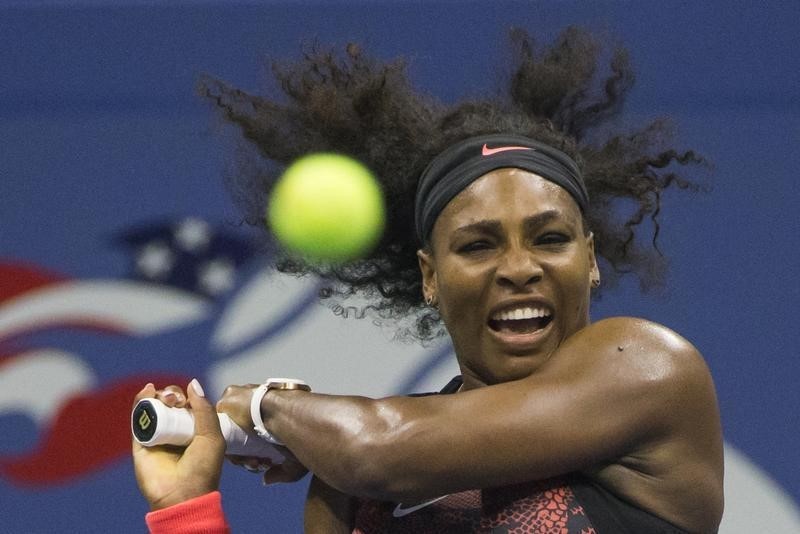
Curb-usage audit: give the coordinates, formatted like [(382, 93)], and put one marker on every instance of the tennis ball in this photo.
[(327, 208)]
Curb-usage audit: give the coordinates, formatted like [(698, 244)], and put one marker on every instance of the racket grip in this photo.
[(154, 423)]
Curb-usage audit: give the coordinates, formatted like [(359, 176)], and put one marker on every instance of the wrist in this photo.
[(178, 497), (259, 399)]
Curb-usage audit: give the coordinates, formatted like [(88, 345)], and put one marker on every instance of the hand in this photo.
[(290, 470), (235, 402), (169, 475)]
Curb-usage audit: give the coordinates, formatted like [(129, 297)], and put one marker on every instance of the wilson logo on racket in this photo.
[(144, 421)]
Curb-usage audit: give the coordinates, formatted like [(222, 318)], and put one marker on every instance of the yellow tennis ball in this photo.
[(327, 208)]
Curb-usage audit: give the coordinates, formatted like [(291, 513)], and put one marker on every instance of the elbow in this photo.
[(365, 473)]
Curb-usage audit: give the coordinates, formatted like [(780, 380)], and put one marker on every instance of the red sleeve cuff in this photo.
[(201, 515)]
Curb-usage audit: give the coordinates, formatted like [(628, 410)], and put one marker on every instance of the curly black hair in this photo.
[(349, 103)]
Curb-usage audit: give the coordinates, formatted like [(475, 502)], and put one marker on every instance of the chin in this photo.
[(514, 366)]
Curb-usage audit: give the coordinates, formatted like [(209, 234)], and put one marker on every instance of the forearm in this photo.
[(341, 439), (388, 449)]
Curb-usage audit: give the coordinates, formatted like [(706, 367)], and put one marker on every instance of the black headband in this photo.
[(456, 168)]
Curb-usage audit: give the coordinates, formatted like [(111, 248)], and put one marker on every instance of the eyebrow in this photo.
[(494, 226), (540, 219)]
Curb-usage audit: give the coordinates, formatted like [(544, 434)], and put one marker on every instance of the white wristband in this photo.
[(258, 394)]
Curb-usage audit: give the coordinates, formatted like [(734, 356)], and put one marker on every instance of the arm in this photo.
[(327, 510), (612, 389)]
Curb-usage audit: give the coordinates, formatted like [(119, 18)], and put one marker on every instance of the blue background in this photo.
[(100, 127)]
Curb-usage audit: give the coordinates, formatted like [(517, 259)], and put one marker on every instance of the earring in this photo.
[(595, 283), (430, 300)]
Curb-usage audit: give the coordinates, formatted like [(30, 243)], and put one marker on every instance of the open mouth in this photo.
[(521, 320)]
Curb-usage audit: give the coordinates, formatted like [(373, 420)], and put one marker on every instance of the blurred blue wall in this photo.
[(100, 129)]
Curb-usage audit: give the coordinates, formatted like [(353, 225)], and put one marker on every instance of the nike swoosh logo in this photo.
[(399, 511), (486, 151)]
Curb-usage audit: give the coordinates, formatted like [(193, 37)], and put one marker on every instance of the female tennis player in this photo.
[(500, 213)]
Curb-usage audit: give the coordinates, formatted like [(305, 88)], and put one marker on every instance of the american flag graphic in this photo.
[(73, 352)]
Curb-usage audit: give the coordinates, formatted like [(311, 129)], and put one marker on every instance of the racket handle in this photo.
[(154, 423)]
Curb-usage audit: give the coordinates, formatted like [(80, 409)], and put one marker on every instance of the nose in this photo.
[(518, 267)]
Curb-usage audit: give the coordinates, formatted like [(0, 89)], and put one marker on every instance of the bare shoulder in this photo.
[(636, 360), (659, 383), (641, 345), (634, 329)]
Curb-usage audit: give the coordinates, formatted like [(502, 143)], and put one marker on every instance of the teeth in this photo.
[(518, 314)]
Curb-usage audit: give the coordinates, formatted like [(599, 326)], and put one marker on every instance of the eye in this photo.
[(474, 246), (552, 238)]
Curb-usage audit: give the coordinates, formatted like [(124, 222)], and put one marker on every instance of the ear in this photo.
[(427, 266), (594, 271)]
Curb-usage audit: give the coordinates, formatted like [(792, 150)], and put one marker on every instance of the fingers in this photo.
[(147, 392), (285, 472), (251, 463), (290, 470), (173, 396)]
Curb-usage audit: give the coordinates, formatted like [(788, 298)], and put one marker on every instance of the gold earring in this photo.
[(430, 300)]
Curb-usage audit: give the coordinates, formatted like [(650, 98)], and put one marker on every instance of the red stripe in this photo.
[(8, 354), (96, 326), (18, 278)]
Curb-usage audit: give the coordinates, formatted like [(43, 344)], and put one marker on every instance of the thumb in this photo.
[(200, 466), (207, 434)]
